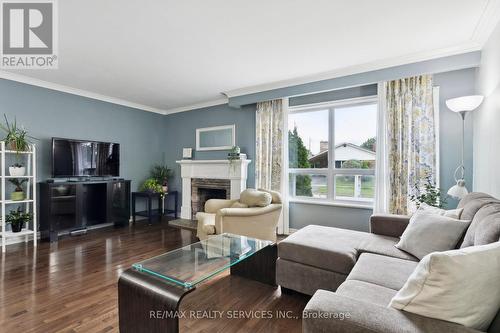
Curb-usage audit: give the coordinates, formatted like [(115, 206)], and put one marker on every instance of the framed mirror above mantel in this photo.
[(216, 138)]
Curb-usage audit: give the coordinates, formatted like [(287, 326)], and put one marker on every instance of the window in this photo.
[(331, 149)]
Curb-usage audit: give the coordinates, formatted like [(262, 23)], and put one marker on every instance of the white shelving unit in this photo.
[(29, 158)]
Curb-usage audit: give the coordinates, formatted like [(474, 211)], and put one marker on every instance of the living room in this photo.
[(250, 167)]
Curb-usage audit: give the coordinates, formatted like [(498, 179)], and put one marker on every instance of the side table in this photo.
[(150, 212)]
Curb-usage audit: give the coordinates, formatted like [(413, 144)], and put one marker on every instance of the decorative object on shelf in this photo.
[(187, 153), (235, 154), (462, 105), (430, 194), (151, 185), (17, 219), (16, 139), (17, 170), (215, 138), (162, 174), (18, 193)]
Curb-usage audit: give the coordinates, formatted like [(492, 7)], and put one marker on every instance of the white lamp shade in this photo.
[(465, 103), (458, 191)]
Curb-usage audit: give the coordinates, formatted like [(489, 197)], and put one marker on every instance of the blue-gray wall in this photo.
[(179, 132), (454, 84), (47, 113)]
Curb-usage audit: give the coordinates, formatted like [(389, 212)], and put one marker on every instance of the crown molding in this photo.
[(357, 69), (487, 22), (201, 105), (75, 91)]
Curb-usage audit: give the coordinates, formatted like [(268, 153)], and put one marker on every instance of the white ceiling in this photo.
[(165, 55)]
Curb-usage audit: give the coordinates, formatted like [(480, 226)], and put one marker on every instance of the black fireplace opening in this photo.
[(205, 194)]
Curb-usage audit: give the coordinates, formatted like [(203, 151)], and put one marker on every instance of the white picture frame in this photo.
[(216, 138)]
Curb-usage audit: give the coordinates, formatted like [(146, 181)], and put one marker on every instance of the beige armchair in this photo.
[(257, 222)]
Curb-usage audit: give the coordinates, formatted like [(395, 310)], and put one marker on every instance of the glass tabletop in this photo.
[(195, 263)]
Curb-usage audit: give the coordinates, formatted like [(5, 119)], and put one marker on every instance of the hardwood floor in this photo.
[(71, 286)]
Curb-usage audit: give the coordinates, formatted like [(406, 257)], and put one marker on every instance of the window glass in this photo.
[(355, 133), (308, 139), (310, 185)]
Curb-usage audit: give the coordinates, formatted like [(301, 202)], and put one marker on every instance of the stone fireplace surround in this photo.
[(236, 173), (203, 189)]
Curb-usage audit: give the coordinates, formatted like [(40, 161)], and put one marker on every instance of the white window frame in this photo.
[(331, 171)]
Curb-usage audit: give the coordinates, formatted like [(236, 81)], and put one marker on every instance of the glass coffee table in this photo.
[(160, 283)]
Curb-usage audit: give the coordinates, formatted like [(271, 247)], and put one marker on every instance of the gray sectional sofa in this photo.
[(353, 275)]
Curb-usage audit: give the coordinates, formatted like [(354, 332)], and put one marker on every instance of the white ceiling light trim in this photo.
[(75, 91)]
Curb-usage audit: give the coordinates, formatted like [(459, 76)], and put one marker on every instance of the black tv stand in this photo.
[(72, 205)]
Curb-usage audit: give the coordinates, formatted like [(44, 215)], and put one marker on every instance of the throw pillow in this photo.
[(428, 233), (254, 198), (453, 213), (238, 204), (460, 286)]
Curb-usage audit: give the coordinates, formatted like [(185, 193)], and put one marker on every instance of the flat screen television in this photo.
[(82, 158)]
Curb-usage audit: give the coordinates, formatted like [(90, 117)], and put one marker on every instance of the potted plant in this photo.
[(17, 170), (151, 185), (430, 194), (18, 193), (16, 139), (17, 219), (161, 173)]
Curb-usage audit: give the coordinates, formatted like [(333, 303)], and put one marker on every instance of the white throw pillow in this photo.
[(428, 233), (461, 286), (453, 213)]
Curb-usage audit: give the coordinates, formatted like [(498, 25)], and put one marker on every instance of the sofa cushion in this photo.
[(460, 286), (328, 248), (453, 213), (254, 198), (485, 227), (366, 292), (428, 233), (383, 271), (383, 245), (238, 204), (472, 202)]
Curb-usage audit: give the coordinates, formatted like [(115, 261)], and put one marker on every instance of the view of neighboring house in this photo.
[(347, 187), (343, 152)]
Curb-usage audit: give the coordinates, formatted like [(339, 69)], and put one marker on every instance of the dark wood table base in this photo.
[(147, 304)]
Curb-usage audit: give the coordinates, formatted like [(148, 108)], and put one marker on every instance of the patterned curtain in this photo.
[(411, 139), (269, 134)]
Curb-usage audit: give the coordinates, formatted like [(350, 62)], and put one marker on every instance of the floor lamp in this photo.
[(462, 105)]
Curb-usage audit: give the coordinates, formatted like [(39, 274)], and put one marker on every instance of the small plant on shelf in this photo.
[(17, 219), (17, 139), (18, 193), (162, 174), (430, 194), (151, 185)]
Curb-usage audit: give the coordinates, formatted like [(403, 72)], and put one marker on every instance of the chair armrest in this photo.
[(213, 205), (331, 312), (388, 224), (252, 211)]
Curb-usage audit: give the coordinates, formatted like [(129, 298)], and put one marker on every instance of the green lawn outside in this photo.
[(345, 187)]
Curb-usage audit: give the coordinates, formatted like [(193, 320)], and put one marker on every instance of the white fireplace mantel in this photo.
[(236, 172)]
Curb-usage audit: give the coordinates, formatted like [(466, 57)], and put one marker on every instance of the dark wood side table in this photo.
[(150, 213)]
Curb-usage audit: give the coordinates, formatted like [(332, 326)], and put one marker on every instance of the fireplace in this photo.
[(218, 174), (203, 189)]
